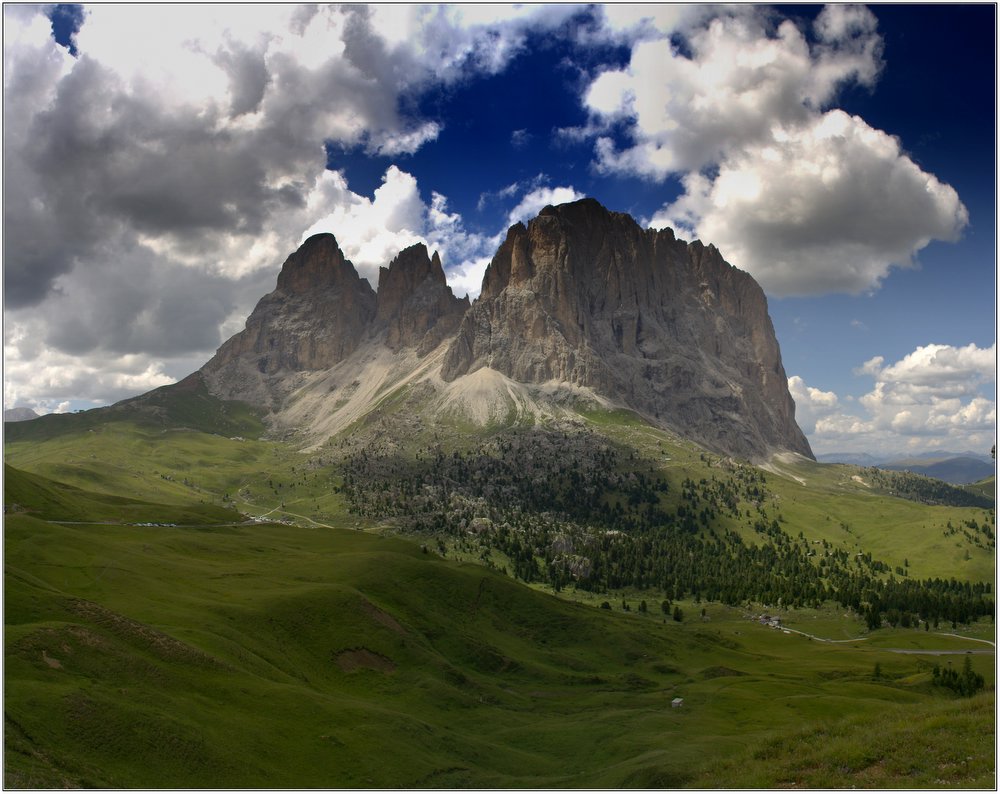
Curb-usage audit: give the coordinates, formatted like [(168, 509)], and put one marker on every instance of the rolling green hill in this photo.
[(429, 650), (281, 656), (186, 404), (52, 500)]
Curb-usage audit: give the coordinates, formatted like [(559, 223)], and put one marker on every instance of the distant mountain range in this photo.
[(957, 468)]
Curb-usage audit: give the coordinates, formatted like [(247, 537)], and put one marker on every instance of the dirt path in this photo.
[(821, 639), (924, 651), (962, 637)]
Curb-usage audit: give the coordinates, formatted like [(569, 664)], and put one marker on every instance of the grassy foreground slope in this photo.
[(280, 656), (220, 654)]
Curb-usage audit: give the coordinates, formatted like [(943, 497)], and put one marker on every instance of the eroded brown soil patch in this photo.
[(356, 658)]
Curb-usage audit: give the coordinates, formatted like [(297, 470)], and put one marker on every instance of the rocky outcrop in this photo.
[(414, 303), (585, 296), (317, 315), (19, 414)]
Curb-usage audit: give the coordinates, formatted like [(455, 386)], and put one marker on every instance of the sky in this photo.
[(161, 161)]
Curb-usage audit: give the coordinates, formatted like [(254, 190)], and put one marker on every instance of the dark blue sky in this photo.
[(937, 94)]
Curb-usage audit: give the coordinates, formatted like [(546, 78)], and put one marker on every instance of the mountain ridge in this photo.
[(579, 303), (585, 295)]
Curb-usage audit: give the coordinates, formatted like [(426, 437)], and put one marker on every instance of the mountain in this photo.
[(586, 296), (958, 470), (19, 414), (580, 306), (853, 458)]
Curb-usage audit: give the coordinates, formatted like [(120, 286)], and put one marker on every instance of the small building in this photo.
[(677, 703)]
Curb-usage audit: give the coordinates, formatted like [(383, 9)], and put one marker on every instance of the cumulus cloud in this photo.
[(688, 112), (938, 369), (807, 199), (931, 398), (208, 137), (827, 207), (91, 380), (810, 403), (372, 231), (152, 184), (539, 198)]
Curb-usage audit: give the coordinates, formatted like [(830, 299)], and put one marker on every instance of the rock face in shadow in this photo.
[(585, 296), (322, 311), (414, 303), (317, 316), (579, 296)]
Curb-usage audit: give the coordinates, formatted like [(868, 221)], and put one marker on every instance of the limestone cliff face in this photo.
[(586, 296), (414, 303)]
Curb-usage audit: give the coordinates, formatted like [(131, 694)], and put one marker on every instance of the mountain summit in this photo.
[(579, 304)]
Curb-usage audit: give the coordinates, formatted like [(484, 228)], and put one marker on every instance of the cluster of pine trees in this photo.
[(918, 488), (966, 683), (571, 508)]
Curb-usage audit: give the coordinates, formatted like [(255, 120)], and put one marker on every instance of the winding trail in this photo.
[(963, 637), (925, 651), (821, 639)]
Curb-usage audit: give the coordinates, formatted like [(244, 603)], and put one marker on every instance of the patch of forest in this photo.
[(572, 508), (926, 490)]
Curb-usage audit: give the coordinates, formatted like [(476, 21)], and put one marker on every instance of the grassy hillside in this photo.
[(986, 488), (185, 404), (219, 654), (44, 498), (289, 657)]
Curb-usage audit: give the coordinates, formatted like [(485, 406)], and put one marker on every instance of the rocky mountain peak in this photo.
[(578, 298), (19, 414), (414, 303), (317, 264), (405, 274), (317, 316), (584, 296)]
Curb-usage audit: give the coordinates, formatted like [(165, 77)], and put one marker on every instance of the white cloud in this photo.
[(808, 200), (931, 398), (34, 381), (466, 279), (940, 367), (826, 207), (738, 84), (538, 199), (520, 138), (205, 142), (372, 231), (811, 404), (634, 21)]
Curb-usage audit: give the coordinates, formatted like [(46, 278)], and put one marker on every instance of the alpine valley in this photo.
[(567, 535)]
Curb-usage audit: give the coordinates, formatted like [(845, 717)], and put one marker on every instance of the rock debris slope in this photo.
[(578, 301)]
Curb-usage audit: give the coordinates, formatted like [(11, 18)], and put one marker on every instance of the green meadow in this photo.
[(155, 637), (276, 656)]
